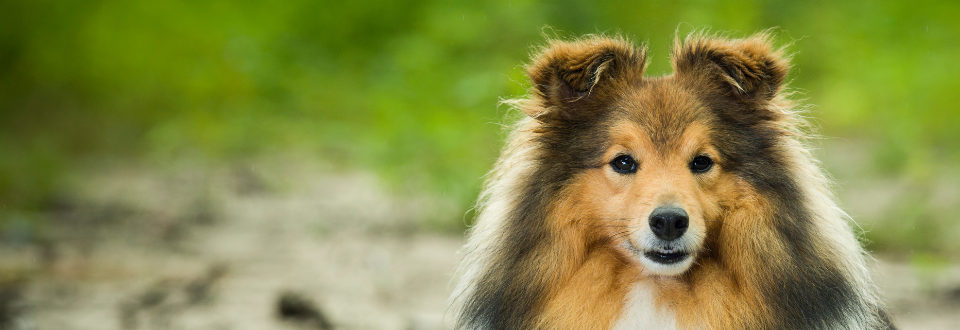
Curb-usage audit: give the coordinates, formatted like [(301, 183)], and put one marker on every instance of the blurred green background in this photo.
[(410, 90)]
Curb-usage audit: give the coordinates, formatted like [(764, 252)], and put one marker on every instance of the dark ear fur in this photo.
[(571, 78), (749, 69)]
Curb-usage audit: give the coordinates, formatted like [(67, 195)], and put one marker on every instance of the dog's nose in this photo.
[(669, 223)]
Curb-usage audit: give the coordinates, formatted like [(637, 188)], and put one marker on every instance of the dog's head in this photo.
[(649, 165)]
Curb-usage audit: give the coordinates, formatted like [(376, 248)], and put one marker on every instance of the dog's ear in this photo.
[(573, 79), (748, 69)]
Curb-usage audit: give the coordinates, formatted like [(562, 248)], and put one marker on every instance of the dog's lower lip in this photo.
[(666, 257)]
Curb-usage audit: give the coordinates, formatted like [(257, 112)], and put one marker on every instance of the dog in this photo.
[(686, 201)]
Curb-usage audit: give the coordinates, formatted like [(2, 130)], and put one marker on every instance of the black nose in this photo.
[(669, 223)]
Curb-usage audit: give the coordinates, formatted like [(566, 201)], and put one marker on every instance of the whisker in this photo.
[(619, 233), (623, 233), (615, 258), (611, 226), (604, 218)]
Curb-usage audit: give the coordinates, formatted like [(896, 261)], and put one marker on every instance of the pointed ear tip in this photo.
[(760, 45), (590, 43), (556, 54), (751, 66), (705, 38)]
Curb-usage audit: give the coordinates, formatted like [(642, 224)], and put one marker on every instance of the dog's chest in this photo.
[(640, 312)]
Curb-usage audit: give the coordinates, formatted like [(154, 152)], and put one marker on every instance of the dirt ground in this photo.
[(216, 250)]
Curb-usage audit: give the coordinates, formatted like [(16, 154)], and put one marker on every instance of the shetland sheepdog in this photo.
[(686, 201)]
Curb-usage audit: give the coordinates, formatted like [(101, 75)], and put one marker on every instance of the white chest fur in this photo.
[(640, 312)]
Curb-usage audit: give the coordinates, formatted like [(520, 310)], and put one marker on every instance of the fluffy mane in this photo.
[(785, 256)]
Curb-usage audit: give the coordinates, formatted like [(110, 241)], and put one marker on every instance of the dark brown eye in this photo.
[(701, 164), (624, 164)]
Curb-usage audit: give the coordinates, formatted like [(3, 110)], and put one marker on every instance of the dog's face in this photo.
[(661, 180), (655, 161)]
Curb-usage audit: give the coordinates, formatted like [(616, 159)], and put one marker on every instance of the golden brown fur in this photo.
[(561, 237)]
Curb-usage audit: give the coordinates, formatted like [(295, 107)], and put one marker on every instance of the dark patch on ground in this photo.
[(158, 304), (295, 307), (13, 307)]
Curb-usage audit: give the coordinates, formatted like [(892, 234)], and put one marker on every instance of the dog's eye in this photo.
[(624, 164), (701, 164)]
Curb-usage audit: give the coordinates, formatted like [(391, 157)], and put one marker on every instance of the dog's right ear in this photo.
[(571, 79), (751, 69)]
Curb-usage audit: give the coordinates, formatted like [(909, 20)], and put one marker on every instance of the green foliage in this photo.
[(410, 89)]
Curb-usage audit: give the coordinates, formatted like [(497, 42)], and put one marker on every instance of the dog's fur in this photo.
[(560, 238)]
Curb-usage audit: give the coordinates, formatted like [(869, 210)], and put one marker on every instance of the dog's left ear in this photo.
[(747, 69), (573, 80)]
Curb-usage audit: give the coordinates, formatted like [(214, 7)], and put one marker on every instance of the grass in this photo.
[(409, 90)]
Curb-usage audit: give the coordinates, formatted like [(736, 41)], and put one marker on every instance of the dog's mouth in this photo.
[(663, 256), (667, 257)]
